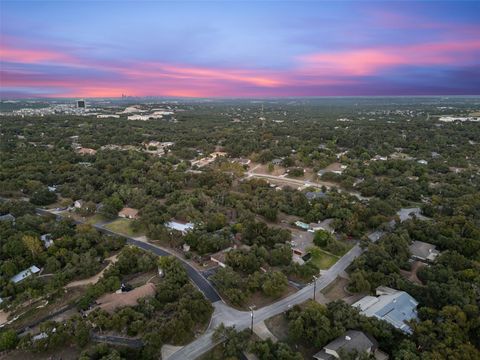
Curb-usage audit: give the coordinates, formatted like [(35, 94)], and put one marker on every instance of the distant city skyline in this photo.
[(238, 49)]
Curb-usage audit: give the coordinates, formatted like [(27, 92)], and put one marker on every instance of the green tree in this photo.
[(274, 284), (8, 340)]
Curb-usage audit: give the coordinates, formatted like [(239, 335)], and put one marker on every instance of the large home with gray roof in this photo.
[(352, 340), (393, 306), (423, 251)]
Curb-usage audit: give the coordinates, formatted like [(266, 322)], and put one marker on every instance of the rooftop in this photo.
[(24, 274), (423, 250), (179, 226), (392, 306), (7, 217), (128, 212), (348, 342)]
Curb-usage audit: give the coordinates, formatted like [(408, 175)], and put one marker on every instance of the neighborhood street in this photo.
[(224, 313), (305, 183), (202, 283), (241, 319)]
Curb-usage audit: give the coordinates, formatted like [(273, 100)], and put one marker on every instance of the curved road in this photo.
[(203, 284), (242, 319), (223, 313)]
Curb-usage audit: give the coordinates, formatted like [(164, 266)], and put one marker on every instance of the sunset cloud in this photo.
[(347, 49), (364, 62)]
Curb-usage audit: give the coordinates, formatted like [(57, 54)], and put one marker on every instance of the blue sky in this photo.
[(233, 48)]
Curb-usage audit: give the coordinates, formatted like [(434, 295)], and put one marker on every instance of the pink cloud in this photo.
[(319, 70), (32, 56), (368, 61)]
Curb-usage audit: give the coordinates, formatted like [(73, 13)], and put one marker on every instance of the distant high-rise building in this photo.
[(81, 104)]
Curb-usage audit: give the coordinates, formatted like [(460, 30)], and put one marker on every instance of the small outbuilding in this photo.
[(128, 213)]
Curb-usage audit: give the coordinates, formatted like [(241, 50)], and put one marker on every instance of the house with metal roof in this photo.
[(393, 306), (423, 251), (7, 217), (352, 340), (22, 275), (47, 240), (180, 226)]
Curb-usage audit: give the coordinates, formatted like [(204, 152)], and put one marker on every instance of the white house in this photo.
[(22, 275)]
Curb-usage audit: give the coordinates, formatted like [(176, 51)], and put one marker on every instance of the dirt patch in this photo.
[(3, 317), (260, 300), (95, 278), (336, 290), (278, 326), (263, 169), (412, 274), (113, 301)]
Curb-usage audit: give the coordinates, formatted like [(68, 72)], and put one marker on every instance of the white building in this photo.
[(22, 275)]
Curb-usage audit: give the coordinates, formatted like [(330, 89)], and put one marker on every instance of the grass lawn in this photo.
[(322, 259), (95, 219), (122, 226)]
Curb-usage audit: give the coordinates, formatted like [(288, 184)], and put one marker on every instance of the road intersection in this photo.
[(222, 312)]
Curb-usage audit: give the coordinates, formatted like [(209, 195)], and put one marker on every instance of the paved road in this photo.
[(297, 182), (225, 314), (241, 319), (202, 283)]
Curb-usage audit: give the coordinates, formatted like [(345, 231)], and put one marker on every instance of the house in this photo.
[(423, 251), (47, 240), (314, 195), (86, 151), (301, 259), (379, 158), (352, 340), (393, 306), (78, 204), (376, 235), (277, 162), (22, 275), (335, 168), (128, 213), (324, 225), (180, 226), (7, 217), (410, 213)]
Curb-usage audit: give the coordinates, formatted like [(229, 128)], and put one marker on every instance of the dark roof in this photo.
[(423, 250), (350, 341), (311, 195)]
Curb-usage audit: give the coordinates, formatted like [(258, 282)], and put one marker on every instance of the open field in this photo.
[(122, 226), (322, 259)]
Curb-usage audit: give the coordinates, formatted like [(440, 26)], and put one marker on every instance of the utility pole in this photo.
[(314, 286), (251, 316)]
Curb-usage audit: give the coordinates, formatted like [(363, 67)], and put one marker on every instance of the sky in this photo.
[(69, 48)]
